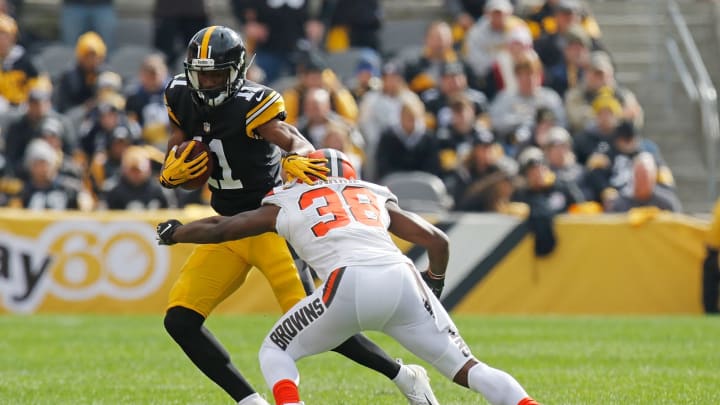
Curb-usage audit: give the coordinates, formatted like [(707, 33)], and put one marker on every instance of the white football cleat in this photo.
[(254, 399), (414, 383)]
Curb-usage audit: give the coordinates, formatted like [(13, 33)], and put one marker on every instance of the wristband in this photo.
[(435, 276)]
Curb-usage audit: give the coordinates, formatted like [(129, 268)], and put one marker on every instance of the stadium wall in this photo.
[(109, 262)]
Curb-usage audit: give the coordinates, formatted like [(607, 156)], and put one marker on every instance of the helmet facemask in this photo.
[(217, 94)]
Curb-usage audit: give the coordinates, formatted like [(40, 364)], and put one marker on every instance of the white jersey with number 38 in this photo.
[(336, 223)]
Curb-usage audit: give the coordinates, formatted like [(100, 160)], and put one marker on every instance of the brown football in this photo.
[(199, 148)]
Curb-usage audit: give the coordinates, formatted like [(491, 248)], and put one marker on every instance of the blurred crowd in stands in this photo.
[(509, 107)]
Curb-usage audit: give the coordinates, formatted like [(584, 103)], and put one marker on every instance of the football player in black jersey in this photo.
[(242, 122)]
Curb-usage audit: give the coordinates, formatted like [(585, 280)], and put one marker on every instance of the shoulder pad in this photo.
[(177, 81), (381, 191), (273, 196), (265, 104)]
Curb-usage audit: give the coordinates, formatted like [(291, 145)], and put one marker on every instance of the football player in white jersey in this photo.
[(340, 228)]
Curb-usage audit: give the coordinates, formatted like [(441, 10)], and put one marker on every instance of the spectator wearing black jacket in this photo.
[(536, 134), (541, 19), (542, 190), (135, 189), (550, 45), (456, 140), (408, 146), (352, 24), (571, 69), (453, 83), (146, 101), (484, 179), (610, 173), (465, 13), (644, 191), (274, 30), (78, 85), (18, 73), (598, 136), (28, 127), (176, 21), (44, 187), (545, 195), (711, 265)]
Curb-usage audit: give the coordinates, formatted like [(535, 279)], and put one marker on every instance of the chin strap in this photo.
[(247, 65)]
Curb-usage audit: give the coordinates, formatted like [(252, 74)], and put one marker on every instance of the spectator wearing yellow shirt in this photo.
[(17, 71), (424, 72), (313, 72), (550, 44), (542, 19), (352, 24), (599, 79)]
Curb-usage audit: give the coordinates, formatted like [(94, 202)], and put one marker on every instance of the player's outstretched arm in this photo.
[(295, 146), (286, 136), (413, 228), (221, 229)]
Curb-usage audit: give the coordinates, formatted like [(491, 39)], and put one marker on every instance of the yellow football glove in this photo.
[(177, 171), (299, 167)]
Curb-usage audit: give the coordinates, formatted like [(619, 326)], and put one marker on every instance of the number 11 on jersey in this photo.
[(226, 181)]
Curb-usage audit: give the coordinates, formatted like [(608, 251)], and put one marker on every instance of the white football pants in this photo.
[(391, 299)]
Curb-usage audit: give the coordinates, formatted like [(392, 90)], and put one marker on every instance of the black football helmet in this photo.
[(215, 49)]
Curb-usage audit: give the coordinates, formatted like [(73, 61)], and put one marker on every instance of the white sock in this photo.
[(497, 386), (254, 399), (403, 377)]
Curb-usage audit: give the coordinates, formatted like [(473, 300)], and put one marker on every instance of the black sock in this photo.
[(363, 351), (186, 328), (711, 282)]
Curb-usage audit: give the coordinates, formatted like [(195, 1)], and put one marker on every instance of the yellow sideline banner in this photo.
[(103, 262), (109, 262), (602, 265)]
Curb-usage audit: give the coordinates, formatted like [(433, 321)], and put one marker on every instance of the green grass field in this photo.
[(560, 360)]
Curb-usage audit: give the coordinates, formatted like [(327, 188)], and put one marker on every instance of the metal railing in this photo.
[(699, 89)]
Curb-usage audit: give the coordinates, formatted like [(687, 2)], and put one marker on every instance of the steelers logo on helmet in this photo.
[(215, 65), (338, 163)]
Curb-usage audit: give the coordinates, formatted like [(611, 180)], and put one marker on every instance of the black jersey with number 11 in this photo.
[(246, 166)]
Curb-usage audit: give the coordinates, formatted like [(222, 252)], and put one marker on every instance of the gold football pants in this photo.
[(214, 271)]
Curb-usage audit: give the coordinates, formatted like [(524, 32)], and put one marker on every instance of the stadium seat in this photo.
[(408, 53), (127, 59), (283, 83), (6, 117), (54, 59), (344, 63), (134, 31), (419, 191), (399, 34)]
